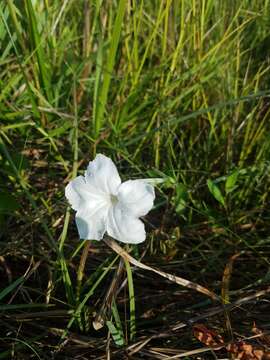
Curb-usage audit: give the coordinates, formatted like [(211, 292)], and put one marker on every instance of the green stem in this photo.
[(132, 317)]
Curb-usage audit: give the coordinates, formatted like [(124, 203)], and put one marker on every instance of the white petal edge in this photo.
[(136, 196), (102, 175), (91, 225), (124, 227), (76, 192)]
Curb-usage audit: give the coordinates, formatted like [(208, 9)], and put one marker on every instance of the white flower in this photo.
[(103, 203)]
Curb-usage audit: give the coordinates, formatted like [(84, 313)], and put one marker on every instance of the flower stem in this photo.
[(80, 273), (132, 316)]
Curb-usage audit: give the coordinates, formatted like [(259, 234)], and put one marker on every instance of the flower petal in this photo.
[(124, 227), (92, 208), (102, 174), (80, 194), (137, 196), (92, 224)]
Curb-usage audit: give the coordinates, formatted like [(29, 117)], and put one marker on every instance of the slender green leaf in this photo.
[(11, 287), (231, 182), (116, 334), (38, 44), (108, 69), (117, 320), (181, 198), (132, 313), (215, 191)]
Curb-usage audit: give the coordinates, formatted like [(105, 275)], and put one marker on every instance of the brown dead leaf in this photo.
[(33, 153), (239, 350), (264, 337), (244, 351), (207, 336)]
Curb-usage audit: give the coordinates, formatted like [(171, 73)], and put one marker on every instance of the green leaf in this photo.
[(215, 191), (116, 334), (231, 182), (181, 197), (117, 319), (60, 130), (132, 316)]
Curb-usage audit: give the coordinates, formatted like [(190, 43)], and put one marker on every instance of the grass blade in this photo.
[(37, 45), (132, 315), (11, 287), (108, 69)]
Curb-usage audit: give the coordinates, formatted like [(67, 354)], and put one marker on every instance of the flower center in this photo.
[(114, 199)]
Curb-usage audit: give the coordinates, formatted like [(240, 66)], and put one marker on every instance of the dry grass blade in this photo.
[(134, 348), (225, 290), (227, 307), (227, 277), (176, 279), (190, 353)]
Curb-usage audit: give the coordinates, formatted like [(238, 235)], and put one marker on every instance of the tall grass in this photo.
[(175, 89)]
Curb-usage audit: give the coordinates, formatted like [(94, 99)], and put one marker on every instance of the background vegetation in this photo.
[(173, 89)]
